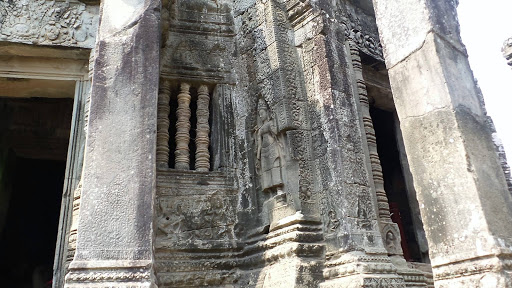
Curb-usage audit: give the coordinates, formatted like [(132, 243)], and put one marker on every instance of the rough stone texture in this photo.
[(459, 181), (507, 51), (114, 243), (268, 98), (291, 203), (44, 22)]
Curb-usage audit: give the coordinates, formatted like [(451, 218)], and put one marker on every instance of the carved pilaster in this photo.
[(378, 179), (183, 128), (388, 229), (203, 130), (162, 139), (77, 194)]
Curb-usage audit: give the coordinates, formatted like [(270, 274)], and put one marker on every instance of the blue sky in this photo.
[(485, 25)]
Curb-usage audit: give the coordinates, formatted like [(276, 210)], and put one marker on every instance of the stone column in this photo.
[(183, 128), (114, 243), (162, 141), (203, 130), (378, 178), (461, 188)]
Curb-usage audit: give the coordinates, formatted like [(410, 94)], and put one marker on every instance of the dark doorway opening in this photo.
[(27, 246), (394, 181), (34, 135)]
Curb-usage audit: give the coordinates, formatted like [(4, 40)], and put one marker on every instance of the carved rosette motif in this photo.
[(203, 130), (162, 141), (43, 22), (182, 128)]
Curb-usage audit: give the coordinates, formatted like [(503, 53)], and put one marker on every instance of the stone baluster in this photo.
[(162, 142), (183, 128), (202, 130), (378, 179)]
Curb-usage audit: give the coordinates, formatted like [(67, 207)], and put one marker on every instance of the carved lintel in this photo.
[(365, 41), (162, 140), (202, 130), (62, 23), (183, 128)]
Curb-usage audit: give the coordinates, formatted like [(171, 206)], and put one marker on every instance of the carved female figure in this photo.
[(269, 151)]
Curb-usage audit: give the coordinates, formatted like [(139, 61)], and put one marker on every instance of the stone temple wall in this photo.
[(230, 144), (289, 199)]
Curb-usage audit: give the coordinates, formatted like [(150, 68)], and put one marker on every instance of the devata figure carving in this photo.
[(269, 156)]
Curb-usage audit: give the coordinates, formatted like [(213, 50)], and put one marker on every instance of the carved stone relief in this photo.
[(197, 218), (190, 213), (199, 41), (269, 151), (361, 29), (295, 150), (45, 22)]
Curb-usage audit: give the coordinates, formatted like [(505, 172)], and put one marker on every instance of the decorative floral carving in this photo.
[(370, 44), (46, 22), (107, 276)]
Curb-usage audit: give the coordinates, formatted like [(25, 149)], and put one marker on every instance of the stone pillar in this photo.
[(461, 188), (162, 141), (183, 128), (378, 177), (203, 130), (114, 243)]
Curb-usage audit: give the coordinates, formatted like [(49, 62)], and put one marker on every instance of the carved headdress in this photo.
[(262, 105)]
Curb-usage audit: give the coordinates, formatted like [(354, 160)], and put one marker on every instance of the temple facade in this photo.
[(246, 143)]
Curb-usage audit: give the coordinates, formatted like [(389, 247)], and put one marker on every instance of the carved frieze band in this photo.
[(108, 276), (45, 22)]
